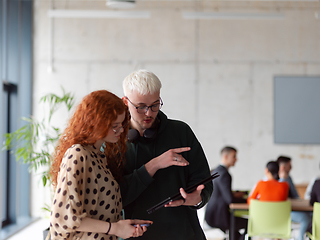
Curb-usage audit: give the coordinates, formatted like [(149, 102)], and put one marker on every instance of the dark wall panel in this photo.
[(297, 110)]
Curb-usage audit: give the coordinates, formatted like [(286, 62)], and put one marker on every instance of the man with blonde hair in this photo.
[(163, 158)]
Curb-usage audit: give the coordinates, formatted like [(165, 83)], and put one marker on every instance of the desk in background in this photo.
[(300, 205), (301, 189)]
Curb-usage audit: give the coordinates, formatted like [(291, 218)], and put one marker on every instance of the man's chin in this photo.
[(146, 125)]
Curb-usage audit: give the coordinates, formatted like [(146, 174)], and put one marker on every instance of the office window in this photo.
[(9, 164), (15, 102)]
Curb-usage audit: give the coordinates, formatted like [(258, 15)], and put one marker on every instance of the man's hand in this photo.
[(167, 159), (284, 170), (283, 174), (189, 199)]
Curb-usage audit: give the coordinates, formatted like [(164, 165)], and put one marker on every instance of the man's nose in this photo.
[(148, 112)]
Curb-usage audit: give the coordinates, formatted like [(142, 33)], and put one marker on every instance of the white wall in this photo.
[(217, 75)]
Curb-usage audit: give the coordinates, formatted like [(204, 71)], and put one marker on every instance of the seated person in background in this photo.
[(284, 170), (271, 189), (309, 188), (315, 192), (302, 218), (314, 197), (217, 213)]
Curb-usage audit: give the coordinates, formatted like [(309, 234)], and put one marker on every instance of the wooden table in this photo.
[(300, 205)]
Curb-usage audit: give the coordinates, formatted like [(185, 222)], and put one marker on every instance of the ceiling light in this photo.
[(120, 4), (227, 16), (56, 13), (271, 0)]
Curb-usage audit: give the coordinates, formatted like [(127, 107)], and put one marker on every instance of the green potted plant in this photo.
[(34, 142)]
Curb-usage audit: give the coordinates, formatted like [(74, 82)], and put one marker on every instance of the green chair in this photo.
[(241, 213), (315, 222), (269, 219)]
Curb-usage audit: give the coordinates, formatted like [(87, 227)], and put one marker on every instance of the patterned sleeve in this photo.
[(67, 208)]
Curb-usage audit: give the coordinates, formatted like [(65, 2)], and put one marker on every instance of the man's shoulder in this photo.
[(178, 125), (172, 122), (290, 179), (174, 125), (221, 170), (317, 182)]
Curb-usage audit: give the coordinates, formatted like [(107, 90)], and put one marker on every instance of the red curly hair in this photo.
[(91, 122)]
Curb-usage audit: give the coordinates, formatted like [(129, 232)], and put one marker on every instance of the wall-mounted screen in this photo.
[(297, 110)]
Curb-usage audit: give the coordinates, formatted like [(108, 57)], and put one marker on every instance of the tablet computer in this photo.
[(178, 196)]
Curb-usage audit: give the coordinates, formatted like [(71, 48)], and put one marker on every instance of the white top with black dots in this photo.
[(85, 188)]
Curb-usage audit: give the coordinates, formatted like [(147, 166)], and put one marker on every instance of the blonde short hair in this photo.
[(143, 81)]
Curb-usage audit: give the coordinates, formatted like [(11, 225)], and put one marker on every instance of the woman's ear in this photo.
[(125, 100)]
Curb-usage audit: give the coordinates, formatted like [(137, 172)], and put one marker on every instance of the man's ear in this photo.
[(125, 100)]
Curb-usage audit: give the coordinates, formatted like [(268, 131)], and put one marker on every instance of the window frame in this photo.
[(16, 78)]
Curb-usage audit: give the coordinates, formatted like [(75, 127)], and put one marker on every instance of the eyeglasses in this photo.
[(122, 126), (144, 108)]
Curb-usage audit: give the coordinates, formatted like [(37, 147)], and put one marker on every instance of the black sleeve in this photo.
[(315, 193)]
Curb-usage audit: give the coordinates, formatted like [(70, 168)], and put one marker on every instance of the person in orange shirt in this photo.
[(272, 189)]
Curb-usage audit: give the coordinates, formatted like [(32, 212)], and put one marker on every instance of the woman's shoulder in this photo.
[(77, 155), (260, 184), (262, 181), (284, 185), (77, 150), (268, 182)]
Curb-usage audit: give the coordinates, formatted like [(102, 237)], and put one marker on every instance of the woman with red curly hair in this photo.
[(86, 168)]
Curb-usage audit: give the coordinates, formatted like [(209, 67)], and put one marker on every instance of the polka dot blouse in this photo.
[(85, 188)]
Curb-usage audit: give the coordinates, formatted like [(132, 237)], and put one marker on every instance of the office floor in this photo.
[(35, 230)]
